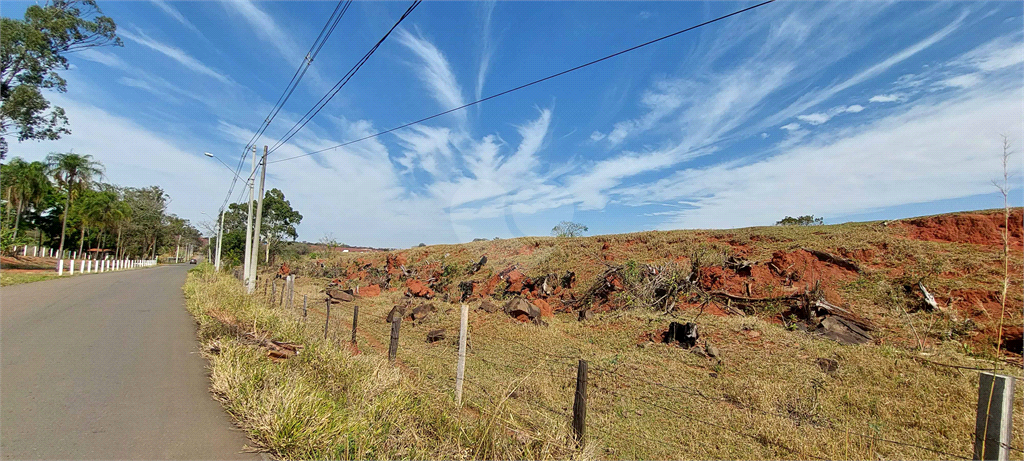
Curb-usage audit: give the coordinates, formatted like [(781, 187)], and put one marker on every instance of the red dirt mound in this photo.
[(980, 229), (395, 261), (418, 289), (370, 291), (797, 269)]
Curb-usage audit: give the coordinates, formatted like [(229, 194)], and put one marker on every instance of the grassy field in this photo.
[(773, 391), (14, 278)]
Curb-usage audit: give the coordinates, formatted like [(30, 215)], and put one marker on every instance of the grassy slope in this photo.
[(768, 397)]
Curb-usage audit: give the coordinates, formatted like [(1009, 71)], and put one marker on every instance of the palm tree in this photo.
[(25, 185), (73, 173)]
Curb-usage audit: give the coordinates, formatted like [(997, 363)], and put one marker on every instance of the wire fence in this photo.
[(494, 377)]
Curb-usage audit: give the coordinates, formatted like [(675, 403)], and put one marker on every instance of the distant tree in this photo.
[(31, 51), (808, 220), (24, 184), (73, 173), (569, 229), (422, 245), (479, 240)]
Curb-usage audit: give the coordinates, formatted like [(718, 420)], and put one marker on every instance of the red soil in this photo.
[(979, 229), (545, 308), (394, 263), (370, 291), (418, 289), (780, 276)]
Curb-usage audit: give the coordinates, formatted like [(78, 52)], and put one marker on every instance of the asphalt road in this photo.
[(107, 366)]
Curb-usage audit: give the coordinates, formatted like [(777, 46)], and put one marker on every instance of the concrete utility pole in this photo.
[(177, 247), (247, 264), (259, 220), (220, 238)]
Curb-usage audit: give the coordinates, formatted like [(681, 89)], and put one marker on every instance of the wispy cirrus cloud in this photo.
[(435, 72), (174, 53), (174, 13)]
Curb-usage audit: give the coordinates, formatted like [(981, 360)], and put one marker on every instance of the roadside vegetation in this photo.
[(14, 278), (761, 381)]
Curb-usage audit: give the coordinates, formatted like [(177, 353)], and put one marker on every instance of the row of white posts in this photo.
[(46, 252), (104, 265)]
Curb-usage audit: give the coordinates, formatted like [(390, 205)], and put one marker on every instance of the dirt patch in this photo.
[(395, 263), (974, 303), (418, 289), (370, 291), (979, 229)]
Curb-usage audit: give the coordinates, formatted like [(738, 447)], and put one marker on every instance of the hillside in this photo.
[(812, 342)]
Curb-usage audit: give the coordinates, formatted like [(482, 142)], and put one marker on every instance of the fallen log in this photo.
[(833, 259)]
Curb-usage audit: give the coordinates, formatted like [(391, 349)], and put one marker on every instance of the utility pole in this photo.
[(220, 237), (259, 220), (177, 247), (247, 264)]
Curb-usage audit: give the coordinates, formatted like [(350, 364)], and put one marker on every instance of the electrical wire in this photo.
[(312, 112), (581, 66)]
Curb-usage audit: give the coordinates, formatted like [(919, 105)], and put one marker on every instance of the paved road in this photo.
[(106, 366)]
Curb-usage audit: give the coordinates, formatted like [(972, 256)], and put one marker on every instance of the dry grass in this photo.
[(766, 396), (329, 403)]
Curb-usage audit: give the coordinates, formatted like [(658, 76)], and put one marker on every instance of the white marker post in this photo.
[(72, 267), (60, 267)]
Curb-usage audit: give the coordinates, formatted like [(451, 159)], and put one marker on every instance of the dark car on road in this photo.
[(192, 261)]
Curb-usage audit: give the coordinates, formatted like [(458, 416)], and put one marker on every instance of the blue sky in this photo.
[(846, 110)]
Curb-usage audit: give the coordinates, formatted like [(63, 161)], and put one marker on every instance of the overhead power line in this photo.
[(525, 85), (313, 111), (325, 32)]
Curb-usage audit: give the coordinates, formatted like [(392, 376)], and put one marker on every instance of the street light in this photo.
[(220, 229)]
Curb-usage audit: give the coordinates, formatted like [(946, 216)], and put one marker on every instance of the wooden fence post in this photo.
[(284, 284), (994, 417), (327, 323), (396, 325), (303, 308), (579, 406), (355, 323), (460, 369), (273, 290)]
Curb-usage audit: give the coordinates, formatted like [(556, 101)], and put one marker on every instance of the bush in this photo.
[(808, 220), (569, 229)]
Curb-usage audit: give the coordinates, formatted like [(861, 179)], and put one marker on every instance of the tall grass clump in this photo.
[(327, 402)]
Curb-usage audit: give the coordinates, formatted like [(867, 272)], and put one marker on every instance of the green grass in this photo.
[(15, 278)]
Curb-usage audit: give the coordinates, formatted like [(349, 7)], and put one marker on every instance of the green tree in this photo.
[(24, 184), (569, 229), (31, 52), (808, 220), (279, 220), (73, 174)]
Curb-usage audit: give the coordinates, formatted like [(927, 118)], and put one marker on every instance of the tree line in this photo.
[(62, 203)]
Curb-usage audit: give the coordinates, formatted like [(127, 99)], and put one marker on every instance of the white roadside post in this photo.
[(60, 267), (72, 267)]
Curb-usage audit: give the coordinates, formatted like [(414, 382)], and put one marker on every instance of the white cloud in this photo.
[(791, 127), (435, 72), (817, 97), (267, 28), (934, 151), (819, 118), (960, 81), (887, 98), (487, 51), (172, 12), (597, 136), (174, 53)]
